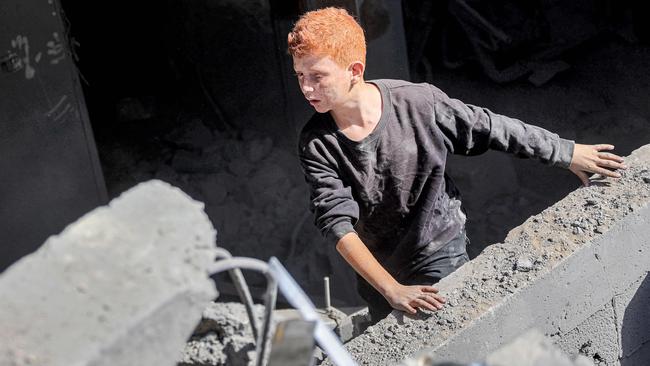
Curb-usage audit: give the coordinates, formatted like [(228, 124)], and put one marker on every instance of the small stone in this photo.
[(578, 224), (646, 179), (591, 202), (524, 264)]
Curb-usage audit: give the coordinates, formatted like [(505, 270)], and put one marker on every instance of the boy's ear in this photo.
[(356, 69)]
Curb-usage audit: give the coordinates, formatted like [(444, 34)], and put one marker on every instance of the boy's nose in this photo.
[(307, 88)]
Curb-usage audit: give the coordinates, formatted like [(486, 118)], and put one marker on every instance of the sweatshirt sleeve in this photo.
[(471, 130), (335, 210)]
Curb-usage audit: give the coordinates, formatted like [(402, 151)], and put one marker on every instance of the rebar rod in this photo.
[(269, 297), (242, 289)]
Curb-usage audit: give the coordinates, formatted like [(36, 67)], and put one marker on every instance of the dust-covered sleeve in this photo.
[(335, 210), (471, 130)]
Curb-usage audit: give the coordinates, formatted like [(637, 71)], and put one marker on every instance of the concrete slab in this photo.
[(628, 243), (595, 337), (123, 285)]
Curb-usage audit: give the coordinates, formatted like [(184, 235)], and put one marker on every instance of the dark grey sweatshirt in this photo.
[(391, 187)]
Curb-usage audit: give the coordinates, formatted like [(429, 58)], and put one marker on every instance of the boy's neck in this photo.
[(362, 111)]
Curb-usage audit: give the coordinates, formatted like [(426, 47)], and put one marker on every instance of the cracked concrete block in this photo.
[(627, 243), (558, 300), (123, 285), (595, 338), (569, 293)]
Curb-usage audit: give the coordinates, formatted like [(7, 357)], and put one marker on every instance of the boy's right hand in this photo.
[(400, 297)]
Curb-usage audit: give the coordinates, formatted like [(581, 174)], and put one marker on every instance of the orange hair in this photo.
[(328, 32)]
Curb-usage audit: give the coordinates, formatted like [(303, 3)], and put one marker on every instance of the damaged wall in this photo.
[(49, 167), (577, 271)]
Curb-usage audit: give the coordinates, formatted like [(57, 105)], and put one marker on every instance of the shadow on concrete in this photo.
[(635, 329)]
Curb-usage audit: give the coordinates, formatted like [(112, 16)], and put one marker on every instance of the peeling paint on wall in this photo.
[(20, 44)]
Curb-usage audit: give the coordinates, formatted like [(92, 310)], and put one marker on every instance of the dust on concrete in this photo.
[(502, 269)]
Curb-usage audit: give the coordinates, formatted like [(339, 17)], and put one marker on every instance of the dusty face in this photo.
[(323, 82)]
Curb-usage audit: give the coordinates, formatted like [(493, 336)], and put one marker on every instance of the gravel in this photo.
[(223, 337)]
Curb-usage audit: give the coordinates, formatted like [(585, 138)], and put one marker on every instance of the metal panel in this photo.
[(49, 169)]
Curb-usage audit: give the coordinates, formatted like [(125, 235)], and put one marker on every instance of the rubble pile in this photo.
[(223, 337)]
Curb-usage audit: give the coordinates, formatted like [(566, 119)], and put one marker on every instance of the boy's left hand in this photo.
[(595, 159)]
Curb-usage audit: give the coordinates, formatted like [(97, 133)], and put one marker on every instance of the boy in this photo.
[(374, 156)]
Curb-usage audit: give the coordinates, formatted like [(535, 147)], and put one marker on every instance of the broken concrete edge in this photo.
[(109, 275), (492, 294)]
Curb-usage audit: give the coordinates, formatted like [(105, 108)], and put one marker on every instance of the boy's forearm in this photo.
[(355, 252)]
